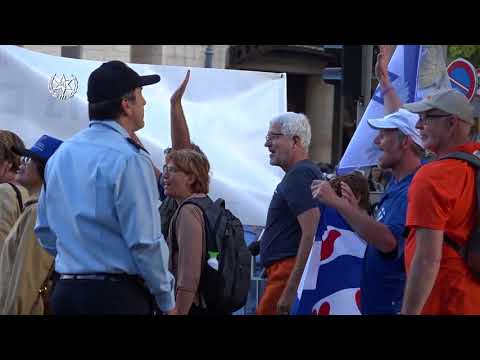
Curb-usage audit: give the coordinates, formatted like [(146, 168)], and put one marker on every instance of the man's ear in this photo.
[(453, 121), (296, 140), (406, 141), (125, 105)]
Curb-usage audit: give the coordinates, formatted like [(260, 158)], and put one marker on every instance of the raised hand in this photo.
[(381, 67), (178, 94)]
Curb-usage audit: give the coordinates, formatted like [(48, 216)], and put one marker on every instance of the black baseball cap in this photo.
[(114, 79)]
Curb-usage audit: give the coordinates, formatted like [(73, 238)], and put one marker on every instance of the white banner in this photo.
[(227, 111)]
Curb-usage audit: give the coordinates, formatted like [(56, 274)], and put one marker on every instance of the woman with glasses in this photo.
[(186, 176), (24, 265)]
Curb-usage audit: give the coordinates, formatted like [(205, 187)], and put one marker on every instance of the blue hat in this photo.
[(41, 150)]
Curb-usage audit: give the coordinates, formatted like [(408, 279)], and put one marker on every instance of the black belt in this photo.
[(111, 277)]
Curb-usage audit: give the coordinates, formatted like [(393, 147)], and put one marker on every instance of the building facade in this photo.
[(308, 91)]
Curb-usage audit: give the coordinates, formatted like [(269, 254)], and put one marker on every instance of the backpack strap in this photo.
[(471, 159), (474, 241), (201, 203), (211, 222), (19, 196), (30, 202)]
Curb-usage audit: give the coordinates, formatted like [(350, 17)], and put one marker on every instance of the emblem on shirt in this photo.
[(63, 87), (380, 214)]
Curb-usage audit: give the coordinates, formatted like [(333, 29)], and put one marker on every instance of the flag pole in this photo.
[(367, 63)]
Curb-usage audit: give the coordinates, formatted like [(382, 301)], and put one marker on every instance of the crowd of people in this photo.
[(90, 225)]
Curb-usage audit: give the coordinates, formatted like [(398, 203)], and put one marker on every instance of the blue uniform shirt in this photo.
[(99, 213), (383, 279)]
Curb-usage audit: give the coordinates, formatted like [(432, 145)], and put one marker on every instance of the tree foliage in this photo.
[(468, 52)]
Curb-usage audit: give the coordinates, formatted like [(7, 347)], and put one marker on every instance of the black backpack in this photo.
[(226, 290), (471, 251), (167, 209)]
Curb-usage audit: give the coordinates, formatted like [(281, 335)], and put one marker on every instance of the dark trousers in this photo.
[(197, 310), (101, 297)]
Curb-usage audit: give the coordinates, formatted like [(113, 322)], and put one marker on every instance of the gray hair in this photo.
[(292, 124)]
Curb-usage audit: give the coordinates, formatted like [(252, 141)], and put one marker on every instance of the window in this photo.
[(72, 51)]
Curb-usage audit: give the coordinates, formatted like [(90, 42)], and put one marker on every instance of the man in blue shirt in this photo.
[(293, 215), (98, 214), (383, 278)]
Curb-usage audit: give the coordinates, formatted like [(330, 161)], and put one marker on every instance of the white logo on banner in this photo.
[(63, 88)]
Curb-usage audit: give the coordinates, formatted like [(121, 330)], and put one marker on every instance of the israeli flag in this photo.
[(403, 73)]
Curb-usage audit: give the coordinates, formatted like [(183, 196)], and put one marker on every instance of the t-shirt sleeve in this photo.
[(431, 198), (297, 191), (396, 225)]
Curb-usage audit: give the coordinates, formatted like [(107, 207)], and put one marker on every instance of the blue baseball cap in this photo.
[(41, 150)]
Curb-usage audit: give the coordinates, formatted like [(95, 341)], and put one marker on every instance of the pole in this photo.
[(367, 64), (209, 56)]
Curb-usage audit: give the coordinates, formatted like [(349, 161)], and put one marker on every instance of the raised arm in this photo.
[(377, 234), (178, 123), (391, 100)]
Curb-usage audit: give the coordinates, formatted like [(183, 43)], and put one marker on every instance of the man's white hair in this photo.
[(294, 124)]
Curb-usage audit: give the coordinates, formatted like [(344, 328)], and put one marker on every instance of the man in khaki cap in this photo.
[(441, 203)]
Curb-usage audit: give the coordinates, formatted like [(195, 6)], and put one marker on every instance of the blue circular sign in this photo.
[(463, 77)]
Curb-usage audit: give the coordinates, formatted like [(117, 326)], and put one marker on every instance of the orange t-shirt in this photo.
[(442, 196)]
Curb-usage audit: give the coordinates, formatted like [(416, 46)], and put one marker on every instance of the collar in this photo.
[(407, 177), (118, 128), (111, 124)]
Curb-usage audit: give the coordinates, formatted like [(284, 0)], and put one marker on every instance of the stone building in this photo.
[(308, 89)]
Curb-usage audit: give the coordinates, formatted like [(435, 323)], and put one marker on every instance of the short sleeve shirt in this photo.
[(443, 197), (291, 198), (383, 279)]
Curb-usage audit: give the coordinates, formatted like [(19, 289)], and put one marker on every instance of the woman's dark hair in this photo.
[(8, 139), (359, 185), (110, 109)]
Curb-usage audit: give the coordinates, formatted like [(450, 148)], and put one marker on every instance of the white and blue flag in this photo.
[(403, 74)]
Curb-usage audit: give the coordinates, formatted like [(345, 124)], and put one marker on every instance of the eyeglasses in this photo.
[(25, 159), (170, 170), (272, 136), (427, 119)]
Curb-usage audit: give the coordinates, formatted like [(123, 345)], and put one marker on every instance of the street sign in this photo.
[(463, 77), (478, 77)]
